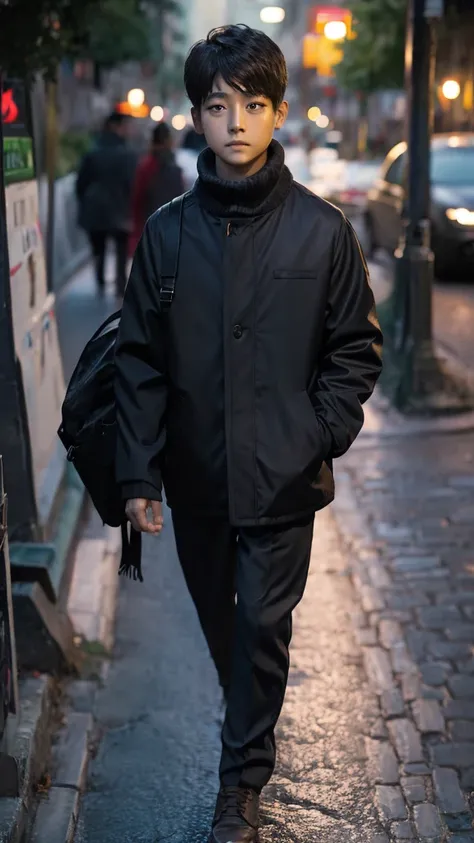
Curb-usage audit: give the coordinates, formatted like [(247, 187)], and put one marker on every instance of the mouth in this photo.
[(237, 144)]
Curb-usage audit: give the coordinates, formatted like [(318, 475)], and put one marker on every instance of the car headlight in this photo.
[(460, 215)]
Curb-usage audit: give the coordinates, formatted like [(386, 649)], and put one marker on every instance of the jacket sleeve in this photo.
[(140, 386), (351, 358)]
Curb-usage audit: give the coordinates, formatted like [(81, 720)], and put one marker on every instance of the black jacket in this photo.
[(104, 185), (241, 396)]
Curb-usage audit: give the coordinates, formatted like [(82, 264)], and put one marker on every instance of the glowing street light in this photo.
[(335, 30), (323, 121), (451, 89), (313, 113), (136, 97), (157, 113), (179, 122), (272, 14)]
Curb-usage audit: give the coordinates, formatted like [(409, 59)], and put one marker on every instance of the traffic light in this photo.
[(332, 22)]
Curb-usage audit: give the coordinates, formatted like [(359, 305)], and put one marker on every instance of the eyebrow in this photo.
[(218, 94)]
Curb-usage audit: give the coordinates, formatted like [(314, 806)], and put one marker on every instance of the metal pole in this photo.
[(414, 258), (51, 160)]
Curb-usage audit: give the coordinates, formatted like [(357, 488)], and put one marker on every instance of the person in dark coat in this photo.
[(158, 180), (104, 192), (240, 397)]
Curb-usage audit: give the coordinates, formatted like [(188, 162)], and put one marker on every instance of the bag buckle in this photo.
[(166, 295), (70, 453)]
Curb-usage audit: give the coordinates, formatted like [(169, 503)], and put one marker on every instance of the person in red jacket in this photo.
[(158, 180)]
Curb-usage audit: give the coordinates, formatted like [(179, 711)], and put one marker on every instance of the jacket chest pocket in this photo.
[(295, 274)]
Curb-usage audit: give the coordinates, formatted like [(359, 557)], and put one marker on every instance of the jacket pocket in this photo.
[(294, 274)]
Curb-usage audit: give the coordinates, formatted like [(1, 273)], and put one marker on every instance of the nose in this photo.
[(236, 119)]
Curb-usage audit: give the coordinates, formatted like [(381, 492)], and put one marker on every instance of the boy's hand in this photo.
[(136, 511)]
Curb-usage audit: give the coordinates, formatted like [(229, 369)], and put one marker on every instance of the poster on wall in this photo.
[(33, 307)]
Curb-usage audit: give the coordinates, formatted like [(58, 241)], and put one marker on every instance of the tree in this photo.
[(36, 34), (128, 30), (375, 58)]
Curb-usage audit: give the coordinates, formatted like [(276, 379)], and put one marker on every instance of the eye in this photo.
[(215, 109), (256, 106)]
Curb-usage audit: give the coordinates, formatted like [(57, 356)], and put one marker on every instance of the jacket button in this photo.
[(238, 332)]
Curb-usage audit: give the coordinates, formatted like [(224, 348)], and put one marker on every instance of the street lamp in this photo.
[(451, 89), (322, 122), (272, 14), (313, 113), (136, 97), (421, 383), (157, 113), (335, 30), (179, 122)]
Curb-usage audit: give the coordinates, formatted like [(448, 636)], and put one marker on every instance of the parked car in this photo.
[(452, 202), (356, 179)]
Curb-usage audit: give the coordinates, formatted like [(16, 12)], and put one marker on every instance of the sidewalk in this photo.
[(376, 739)]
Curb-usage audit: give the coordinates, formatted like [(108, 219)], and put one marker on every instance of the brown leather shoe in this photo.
[(236, 818)]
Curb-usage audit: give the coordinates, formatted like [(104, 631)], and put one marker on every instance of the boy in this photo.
[(244, 394)]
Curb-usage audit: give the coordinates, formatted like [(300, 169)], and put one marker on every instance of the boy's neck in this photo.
[(226, 172)]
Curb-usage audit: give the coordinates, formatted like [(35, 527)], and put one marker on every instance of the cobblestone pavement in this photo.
[(406, 511)]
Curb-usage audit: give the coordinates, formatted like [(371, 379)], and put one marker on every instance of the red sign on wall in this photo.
[(10, 109)]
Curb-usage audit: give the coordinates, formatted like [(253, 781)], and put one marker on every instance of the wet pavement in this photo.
[(376, 738), (80, 309), (159, 715)]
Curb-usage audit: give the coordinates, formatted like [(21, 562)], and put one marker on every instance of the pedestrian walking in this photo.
[(104, 193), (240, 397), (158, 180)]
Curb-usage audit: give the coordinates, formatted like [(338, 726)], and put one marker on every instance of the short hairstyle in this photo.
[(245, 58), (161, 133)]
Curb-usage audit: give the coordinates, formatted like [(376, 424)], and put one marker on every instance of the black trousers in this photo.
[(98, 240), (266, 568)]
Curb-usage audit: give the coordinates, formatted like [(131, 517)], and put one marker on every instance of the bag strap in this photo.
[(170, 258)]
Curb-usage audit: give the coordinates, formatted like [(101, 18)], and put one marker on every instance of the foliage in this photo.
[(375, 58), (36, 34), (72, 146), (127, 30)]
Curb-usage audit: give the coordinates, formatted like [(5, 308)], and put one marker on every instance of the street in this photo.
[(381, 689)]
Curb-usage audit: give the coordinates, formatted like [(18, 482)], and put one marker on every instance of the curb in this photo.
[(93, 594), (58, 812), (31, 749)]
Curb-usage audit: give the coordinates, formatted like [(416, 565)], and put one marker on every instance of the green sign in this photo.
[(18, 159)]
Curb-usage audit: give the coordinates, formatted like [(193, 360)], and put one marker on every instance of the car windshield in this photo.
[(452, 165)]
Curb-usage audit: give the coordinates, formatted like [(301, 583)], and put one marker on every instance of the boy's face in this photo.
[(238, 127)]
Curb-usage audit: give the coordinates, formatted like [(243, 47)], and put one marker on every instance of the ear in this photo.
[(196, 115), (281, 115)]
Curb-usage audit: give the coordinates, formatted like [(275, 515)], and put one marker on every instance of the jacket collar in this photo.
[(250, 197)]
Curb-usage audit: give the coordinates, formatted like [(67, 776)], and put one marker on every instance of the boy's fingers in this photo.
[(157, 511), (136, 513)]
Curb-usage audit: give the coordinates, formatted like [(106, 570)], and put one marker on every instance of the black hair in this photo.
[(161, 133), (246, 58)]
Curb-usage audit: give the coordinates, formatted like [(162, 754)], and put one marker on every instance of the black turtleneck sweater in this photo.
[(250, 197)]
